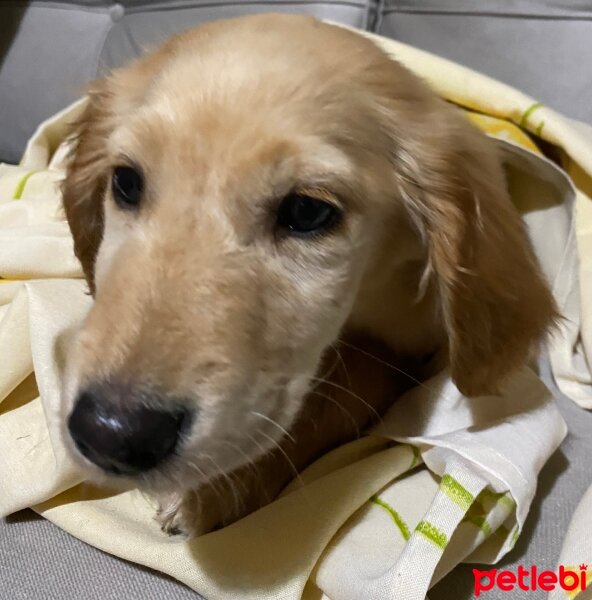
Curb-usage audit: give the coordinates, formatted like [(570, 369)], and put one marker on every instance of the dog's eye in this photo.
[(302, 214), (127, 186)]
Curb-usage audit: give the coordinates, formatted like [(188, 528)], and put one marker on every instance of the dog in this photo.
[(263, 208)]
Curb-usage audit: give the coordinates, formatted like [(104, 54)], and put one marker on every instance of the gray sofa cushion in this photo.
[(51, 49), (542, 47), (146, 27), (38, 561)]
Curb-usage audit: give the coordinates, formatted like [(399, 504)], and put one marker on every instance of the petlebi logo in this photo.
[(569, 579)]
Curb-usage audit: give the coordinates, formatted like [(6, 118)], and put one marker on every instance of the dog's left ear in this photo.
[(495, 302), (84, 185), (88, 166)]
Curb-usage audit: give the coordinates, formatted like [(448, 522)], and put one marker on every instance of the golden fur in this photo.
[(197, 295)]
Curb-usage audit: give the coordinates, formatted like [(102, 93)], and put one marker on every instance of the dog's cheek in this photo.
[(329, 300)]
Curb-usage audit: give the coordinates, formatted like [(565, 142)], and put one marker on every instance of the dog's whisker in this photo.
[(263, 452), (243, 485), (248, 460), (353, 394), (332, 368), (228, 479), (380, 360), (343, 363), (285, 455), (209, 481), (261, 448), (302, 486), (391, 366), (270, 420), (204, 478), (253, 466), (342, 408), (199, 470)]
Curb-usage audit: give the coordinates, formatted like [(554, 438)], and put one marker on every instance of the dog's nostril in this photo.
[(124, 437)]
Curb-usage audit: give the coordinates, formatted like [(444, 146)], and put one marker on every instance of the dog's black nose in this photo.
[(125, 438)]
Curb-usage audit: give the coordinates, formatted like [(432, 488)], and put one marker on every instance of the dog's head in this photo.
[(239, 195)]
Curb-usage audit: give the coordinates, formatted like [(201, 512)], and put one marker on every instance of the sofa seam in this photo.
[(587, 16)]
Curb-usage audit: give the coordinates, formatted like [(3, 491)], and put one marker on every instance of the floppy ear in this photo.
[(495, 302), (88, 169), (86, 177)]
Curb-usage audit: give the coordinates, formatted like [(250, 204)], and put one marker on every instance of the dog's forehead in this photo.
[(225, 140), (297, 73), (245, 50)]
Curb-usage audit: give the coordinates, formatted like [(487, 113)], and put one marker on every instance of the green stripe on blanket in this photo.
[(432, 533), (20, 188), (479, 521), (397, 519), (456, 492), (489, 499)]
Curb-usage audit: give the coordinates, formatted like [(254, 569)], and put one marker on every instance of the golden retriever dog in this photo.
[(241, 200)]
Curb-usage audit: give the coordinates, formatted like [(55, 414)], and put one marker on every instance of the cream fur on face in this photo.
[(199, 296)]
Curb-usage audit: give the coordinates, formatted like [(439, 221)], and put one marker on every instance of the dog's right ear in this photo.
[(496, 305), (87, 173)]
